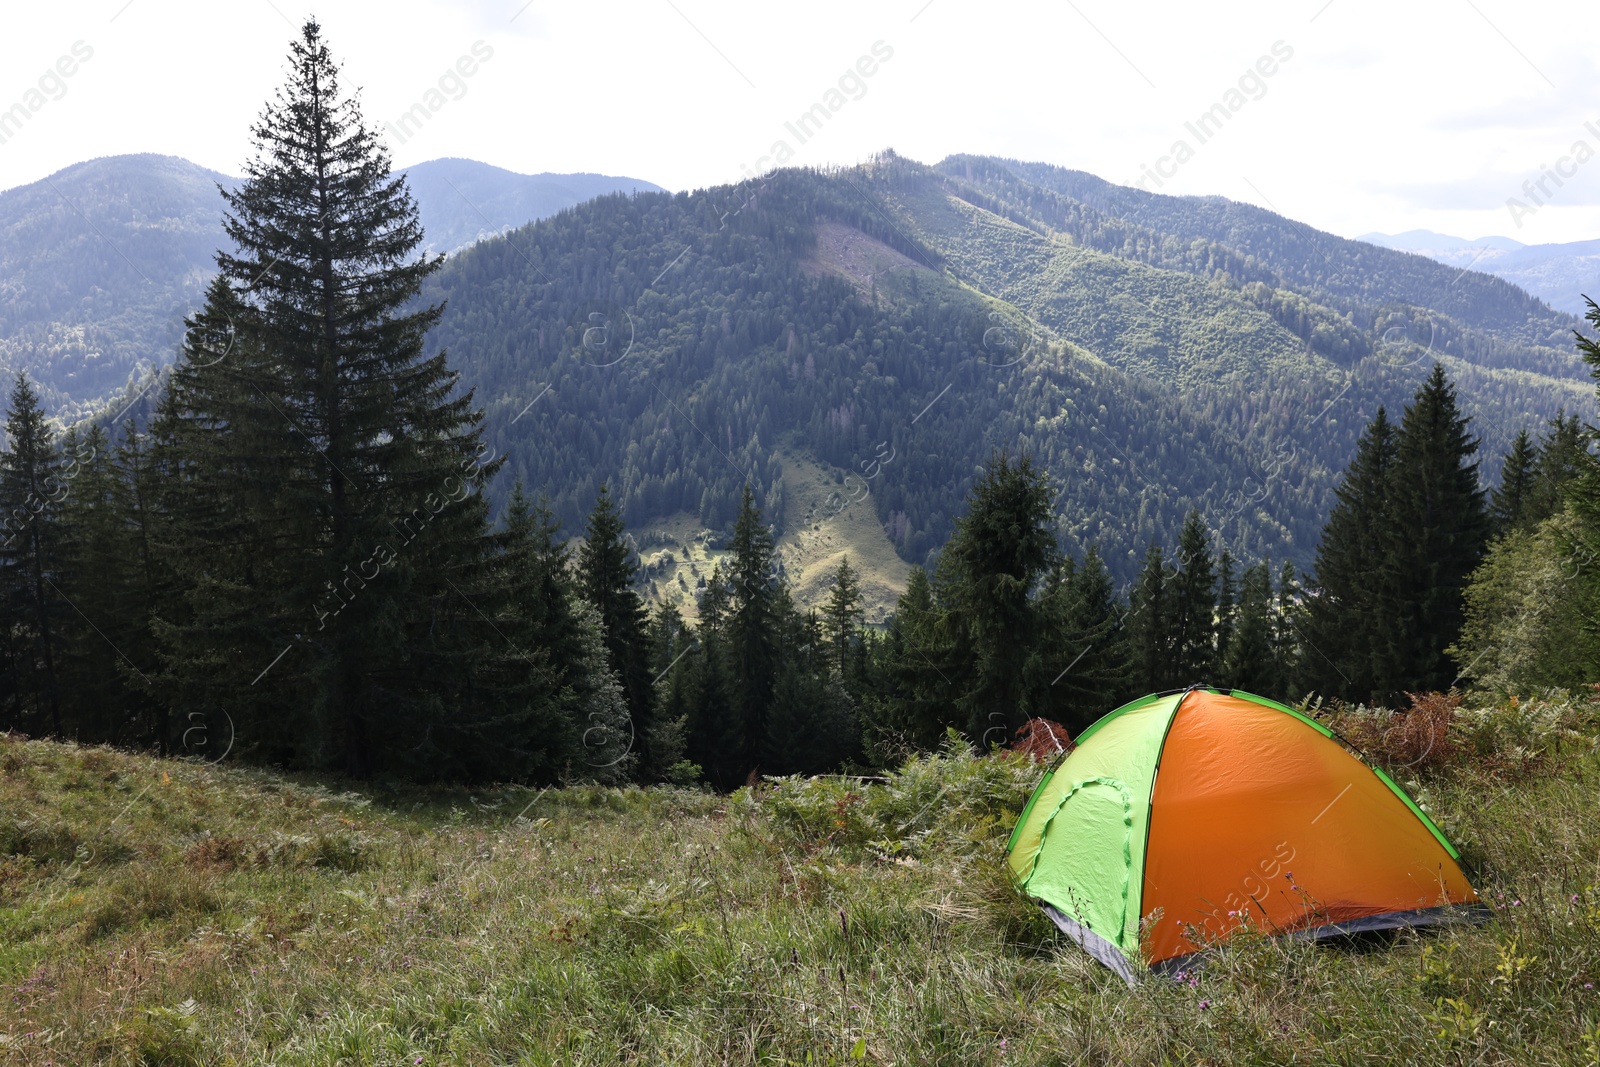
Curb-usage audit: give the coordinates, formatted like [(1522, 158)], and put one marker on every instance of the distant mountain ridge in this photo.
[(100, 262), (463, 201), (1560, 274)]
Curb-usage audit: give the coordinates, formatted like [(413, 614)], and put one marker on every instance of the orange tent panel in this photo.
[(1255, 813)]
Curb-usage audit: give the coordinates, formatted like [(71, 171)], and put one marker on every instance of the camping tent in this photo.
[(1182, 816)]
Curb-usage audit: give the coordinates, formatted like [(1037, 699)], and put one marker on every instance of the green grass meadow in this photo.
[(172, 912)]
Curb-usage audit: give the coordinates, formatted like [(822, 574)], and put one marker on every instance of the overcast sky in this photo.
[(1385, 116)]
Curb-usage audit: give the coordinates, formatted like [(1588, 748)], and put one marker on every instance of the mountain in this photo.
[(98, 265), (888, 326), (100, 262), (1435, 245), (855, 343), (462, 201), (1559, 274)]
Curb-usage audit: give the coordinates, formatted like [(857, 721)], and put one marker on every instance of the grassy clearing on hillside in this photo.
[(166, 912), (828, 515)]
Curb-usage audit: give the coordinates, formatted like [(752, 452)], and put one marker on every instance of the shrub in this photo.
[(953, 797)]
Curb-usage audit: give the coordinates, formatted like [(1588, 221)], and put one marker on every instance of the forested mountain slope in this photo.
[(98, 265), (898, 322), (893, 322)]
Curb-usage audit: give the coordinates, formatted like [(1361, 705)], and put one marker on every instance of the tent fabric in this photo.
[(1082, 847), (1093, 944), (1181, 817), (1445, 915)]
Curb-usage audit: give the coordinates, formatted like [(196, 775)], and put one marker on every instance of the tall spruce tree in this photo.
[(1227, 612), (842, 615), (671, 646), (812, 725), (151, 586), (715, 725), (1248, 662), (1563, 455), (1433, 538), (1193, 599), (752, 628), (330, 525), (1150, 628), (1509, 503), (923, 668), (31, 492), (998, 557), (607, 574), (1287, 646), (1582, 497), (1085, 665), (1337, 624), (103, 628)]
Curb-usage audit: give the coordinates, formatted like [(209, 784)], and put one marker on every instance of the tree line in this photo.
[(133, 596)]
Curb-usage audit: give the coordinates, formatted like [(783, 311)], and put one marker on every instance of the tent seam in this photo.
[(1150, 806)]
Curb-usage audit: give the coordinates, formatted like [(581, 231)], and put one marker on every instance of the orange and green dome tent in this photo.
[(1182, 816)]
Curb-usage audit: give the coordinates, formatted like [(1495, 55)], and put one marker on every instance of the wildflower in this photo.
[(1204, 1004)]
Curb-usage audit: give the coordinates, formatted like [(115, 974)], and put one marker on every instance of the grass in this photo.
[(828, 515), (166, 912)]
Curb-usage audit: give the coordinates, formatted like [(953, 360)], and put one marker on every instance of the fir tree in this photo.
[(1287, 648), (921, 663), (1002, 550), (1582, 495), (610, 736), (337, 467), (1151, 634), (716, 728), (1193, 599), (811, 726), (149, 586), (1339, 617), (1563, 455), (607, 574), (1509, 504), (544, 621), (97, 580), (1083, 645), (1435, 535), (31, 491), (1249, 662), (752, 627), (842, 614), (1227, 613), (671, 645)]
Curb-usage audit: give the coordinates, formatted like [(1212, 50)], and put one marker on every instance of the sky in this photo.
[(1468, 117)]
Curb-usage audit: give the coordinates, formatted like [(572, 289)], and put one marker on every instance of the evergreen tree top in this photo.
[(321, 216)]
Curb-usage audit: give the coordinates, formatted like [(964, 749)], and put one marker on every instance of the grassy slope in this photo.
[(1158, 324), (828, 516), (169, 912)]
